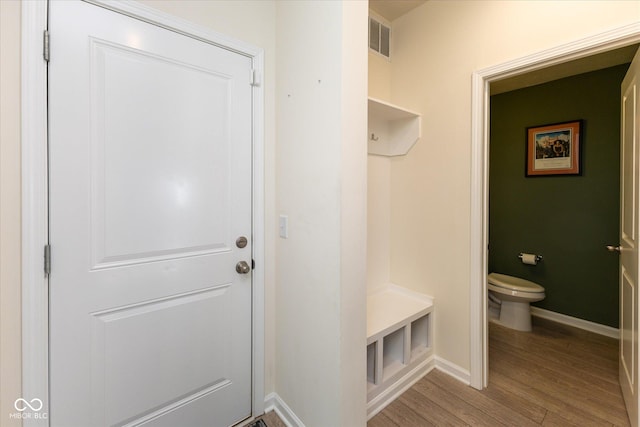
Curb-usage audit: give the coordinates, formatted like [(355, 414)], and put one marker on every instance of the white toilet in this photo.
[(509, 299)]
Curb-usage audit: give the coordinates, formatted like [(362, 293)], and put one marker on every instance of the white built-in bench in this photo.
[(399, 343)]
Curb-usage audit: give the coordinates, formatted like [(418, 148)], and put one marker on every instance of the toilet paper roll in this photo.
[(529, 259)]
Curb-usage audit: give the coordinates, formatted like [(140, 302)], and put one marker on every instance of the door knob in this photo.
[(242, 267), (612, 248)]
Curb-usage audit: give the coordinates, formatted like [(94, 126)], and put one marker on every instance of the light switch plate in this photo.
[(284, 226)]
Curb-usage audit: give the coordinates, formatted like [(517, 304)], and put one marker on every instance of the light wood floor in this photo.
[(272, 420), (571, 379)]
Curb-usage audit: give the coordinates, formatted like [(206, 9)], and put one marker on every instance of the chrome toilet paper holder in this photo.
[(538, 257)]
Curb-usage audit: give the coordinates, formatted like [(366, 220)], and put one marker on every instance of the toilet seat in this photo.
[(513, 283)]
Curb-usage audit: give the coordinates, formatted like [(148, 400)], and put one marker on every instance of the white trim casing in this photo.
[(258, 280), (35, 191), (35, 295), (479, 233), (609, 40)]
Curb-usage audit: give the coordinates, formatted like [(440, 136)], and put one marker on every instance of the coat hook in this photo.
[(374, 137)]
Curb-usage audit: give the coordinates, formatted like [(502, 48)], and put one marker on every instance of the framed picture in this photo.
[(554, 149)]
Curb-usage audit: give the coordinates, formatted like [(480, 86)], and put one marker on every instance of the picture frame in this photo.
[(554, 149)]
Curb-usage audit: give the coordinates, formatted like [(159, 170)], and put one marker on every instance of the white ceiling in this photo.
[(392, 9)]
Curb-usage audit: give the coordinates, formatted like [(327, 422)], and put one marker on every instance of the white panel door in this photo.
[(150, 186), (629, 224)]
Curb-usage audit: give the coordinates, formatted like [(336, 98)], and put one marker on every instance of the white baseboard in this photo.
[(453, 370), (597, 328), (379, 402), (273, 402)]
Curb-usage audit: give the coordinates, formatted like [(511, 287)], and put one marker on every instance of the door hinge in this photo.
[(255, 78), (45, 42), (47, 259)]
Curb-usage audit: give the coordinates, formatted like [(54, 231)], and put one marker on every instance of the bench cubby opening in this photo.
[(399, 342)]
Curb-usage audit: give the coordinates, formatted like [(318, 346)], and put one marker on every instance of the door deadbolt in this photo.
[(241, 242), (242, 267)]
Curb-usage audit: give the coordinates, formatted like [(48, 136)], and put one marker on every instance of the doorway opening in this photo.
[(596, 52)]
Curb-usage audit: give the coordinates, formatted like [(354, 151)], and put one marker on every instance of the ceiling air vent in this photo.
[(379, 37)]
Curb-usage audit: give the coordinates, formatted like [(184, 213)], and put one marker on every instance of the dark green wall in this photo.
[(566, 219)]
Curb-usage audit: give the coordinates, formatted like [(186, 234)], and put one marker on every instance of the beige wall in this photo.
[(379, 187), (436, 49), (353, 216), (320, 324), (379, 77), (378, 222), (10, 329)]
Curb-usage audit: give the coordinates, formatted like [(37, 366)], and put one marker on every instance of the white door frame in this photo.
[(616, 38), (35, 325)]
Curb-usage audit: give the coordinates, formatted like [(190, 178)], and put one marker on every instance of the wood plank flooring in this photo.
[(272, 419), (571, 379)]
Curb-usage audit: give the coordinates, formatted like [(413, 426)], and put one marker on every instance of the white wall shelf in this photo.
[(399, 342), (392, 130)]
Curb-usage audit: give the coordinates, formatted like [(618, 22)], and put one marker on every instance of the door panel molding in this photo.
[(35, 194), (627, 358)]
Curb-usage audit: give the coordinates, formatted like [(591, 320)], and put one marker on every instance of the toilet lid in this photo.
[(514, 283)]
